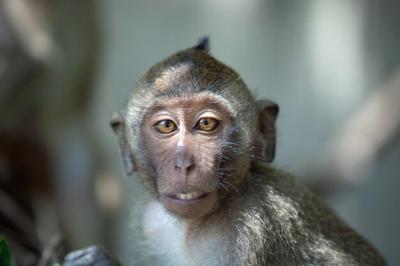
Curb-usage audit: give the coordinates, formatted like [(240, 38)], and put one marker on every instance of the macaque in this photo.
[(202, 146)]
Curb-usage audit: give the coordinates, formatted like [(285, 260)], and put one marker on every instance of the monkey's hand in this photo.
[(94, 255)]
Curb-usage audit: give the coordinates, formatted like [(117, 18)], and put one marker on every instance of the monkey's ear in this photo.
[(267, 114), (117, 124)]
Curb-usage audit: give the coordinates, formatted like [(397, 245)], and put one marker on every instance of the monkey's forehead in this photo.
[(189, 99), (193, 102)]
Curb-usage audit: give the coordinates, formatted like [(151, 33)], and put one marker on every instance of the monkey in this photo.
[(203, 147)]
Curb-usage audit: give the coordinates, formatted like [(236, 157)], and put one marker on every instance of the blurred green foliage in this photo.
[(5, 257)]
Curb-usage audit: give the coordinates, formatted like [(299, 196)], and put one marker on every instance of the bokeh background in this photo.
[(66, 66)]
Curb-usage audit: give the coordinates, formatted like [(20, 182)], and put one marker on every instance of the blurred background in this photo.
[(66, 66)]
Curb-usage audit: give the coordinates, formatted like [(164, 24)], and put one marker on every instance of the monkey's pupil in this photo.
[(204, 122), (165, 126), (207, 124), (166, 123)]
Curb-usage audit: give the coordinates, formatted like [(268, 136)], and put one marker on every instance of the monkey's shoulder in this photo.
[(282, 211)]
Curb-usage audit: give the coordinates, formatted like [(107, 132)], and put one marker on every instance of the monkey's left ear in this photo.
[(117, 124), (267, 114)]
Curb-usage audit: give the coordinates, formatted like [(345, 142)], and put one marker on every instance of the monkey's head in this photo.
[(191, 129)]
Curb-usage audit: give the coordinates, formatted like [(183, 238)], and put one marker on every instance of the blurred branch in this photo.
[(18, 218), (28, 20), (365, 135), (52, 250)]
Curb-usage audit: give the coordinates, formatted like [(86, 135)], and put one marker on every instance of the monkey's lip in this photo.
[(191, 196), (189, 205)]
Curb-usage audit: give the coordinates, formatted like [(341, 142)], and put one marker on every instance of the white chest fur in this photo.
[(166, 236)]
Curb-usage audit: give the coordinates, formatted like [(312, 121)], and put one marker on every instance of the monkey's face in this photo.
[(183, 139), (190, 129)]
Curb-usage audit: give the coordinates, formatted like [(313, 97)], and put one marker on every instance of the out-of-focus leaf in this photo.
[(5, 257)]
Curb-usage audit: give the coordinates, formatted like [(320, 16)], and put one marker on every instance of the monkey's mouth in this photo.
[(190, 205), (192, 196)]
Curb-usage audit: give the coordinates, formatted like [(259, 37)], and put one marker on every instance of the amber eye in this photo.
[(207, 124), (165, 126)]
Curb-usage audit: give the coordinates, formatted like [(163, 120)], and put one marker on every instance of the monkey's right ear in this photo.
[(267, 114), (117, 124)]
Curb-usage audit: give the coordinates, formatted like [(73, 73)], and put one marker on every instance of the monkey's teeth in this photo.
[(188, 196)]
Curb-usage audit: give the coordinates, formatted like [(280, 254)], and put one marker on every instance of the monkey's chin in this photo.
[(190, 208)]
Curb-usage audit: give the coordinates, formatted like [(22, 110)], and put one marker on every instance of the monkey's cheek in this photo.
[(190, 209)]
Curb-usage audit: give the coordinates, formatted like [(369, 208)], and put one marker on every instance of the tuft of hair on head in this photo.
[(203, 44)]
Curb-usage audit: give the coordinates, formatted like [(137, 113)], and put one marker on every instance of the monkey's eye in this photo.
[(207, 124), (165, 126)]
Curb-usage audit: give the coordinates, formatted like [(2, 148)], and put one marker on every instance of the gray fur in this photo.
[(280, 222), (268, 218)]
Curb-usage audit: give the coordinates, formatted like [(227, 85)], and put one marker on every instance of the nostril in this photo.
[(184, 161), (190, 168), (184, 168)]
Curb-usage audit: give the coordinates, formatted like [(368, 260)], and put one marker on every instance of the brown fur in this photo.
[(255, 214)]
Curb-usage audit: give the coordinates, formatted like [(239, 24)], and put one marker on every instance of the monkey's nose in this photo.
[(184, 161)]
